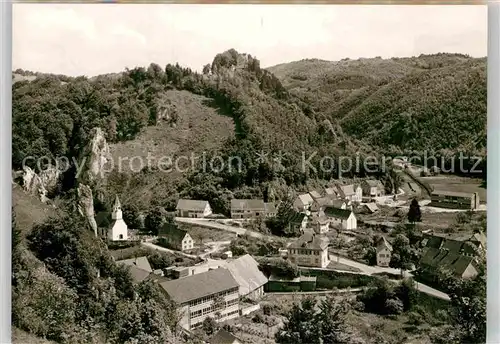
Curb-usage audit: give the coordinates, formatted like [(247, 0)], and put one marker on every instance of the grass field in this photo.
[(204, 234), (21, 337), (343, 267), (28, 209)]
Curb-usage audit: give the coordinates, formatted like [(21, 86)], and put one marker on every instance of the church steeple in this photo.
[(117, 210)]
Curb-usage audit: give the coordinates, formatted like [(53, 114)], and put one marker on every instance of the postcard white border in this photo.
[(493, 180), (5, 169)]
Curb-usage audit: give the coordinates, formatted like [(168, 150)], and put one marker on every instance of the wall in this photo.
[(119, 227), (250, 309), (232, 308)]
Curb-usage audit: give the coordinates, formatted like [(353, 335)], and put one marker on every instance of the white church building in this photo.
[(119, 229)]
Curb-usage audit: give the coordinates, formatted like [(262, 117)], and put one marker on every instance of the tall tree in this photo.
[(403, 255), (153, 221), (301, 325), (468, 304), (414, 213), (332, 321)]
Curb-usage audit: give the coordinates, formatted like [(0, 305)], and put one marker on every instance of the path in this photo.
[(212, 224), (164, 249), (365, 269), (371, 270), (215, 247)]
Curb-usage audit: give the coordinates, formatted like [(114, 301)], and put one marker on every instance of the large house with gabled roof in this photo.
[(193, 208), (174, 237), (251, 280), (309, 249), (303, 202), (242, 209), (372, 188), (341, 218), (458, 254), (140, 269), (383, 252)]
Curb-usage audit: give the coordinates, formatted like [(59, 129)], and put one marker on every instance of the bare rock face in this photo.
[(41, 185), (95, 156), (32, 183), (86, 205)]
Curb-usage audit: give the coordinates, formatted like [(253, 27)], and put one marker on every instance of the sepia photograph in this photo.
[(249, 174)]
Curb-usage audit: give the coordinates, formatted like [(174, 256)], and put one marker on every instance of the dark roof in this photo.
[(223, 337), (245, 271), (434, 258), (139, 262), (171, 231), (139, 275), (139, 267), (452, 193), (248, 204), (196, 286), (295, 217), (310, 241), (337, 212), (190, 204)]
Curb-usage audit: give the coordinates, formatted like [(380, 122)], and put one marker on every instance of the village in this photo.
[(222, 270)]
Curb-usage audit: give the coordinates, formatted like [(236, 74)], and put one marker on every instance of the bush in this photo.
[(394, 306), (415, 318), (209, 326)]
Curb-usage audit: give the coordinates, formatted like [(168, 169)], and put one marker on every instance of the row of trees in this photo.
[(67, 288)]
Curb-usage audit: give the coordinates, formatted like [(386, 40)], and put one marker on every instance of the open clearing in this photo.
[(457, 184)]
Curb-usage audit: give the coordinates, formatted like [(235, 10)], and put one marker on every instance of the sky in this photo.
[(92, 39)]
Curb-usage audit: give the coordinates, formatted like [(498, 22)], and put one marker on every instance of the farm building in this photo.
[(193, 208), (456, 200), (247, 208), (372, 188), (341, 218)]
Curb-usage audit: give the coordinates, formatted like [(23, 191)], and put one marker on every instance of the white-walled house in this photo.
[(384, 251), (341, 218), (372, 188), (303, 202), (119, 229), (176, 238), (193, 208), (309, 250)]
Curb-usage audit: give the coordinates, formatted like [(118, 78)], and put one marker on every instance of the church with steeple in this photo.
[(119, 229)]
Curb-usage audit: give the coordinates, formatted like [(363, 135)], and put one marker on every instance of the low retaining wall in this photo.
[(250, 309)]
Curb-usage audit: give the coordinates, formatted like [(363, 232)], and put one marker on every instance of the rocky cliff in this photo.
[(86, 205), (95, 159), (41, 185)]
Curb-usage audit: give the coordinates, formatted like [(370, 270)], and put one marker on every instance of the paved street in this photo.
[(212, 224), (365, 269)]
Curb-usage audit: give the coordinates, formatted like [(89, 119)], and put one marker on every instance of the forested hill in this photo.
[(374, 106), (431, 102)]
